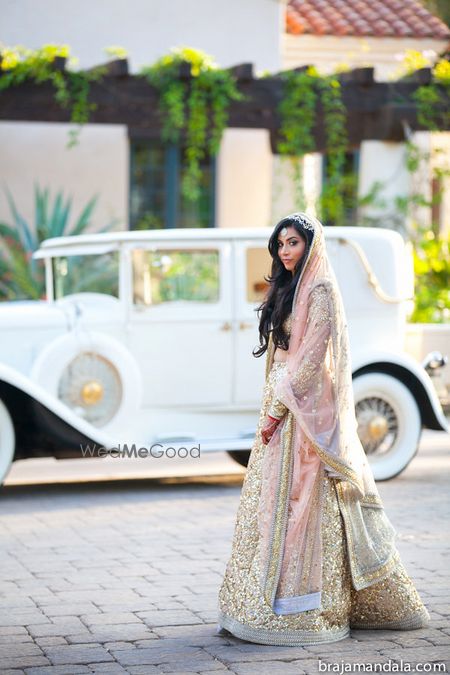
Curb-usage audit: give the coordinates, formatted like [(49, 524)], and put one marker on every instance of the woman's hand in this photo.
[(269, 428)]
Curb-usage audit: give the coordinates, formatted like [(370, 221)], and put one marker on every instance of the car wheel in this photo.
[(389, 423), (7, 441), (240, 456), (94, 375)]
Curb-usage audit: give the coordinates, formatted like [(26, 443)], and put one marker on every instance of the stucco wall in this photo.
[(233, 31), (244, 179), (329, 51), (97, 165)]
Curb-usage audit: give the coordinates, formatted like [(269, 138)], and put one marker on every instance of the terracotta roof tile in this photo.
[(379, 18)]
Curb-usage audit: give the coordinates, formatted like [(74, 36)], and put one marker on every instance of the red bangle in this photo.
[(275, 419)]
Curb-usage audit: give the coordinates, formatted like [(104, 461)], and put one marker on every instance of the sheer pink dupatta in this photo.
[(317, 433)]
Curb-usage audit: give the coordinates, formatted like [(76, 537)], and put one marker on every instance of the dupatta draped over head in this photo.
[(317, 434)]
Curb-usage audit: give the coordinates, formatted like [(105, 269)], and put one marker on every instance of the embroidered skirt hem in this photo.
[(284, 638), (418, 619)]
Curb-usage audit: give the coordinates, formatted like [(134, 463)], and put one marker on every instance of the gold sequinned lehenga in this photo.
[(391, 603)]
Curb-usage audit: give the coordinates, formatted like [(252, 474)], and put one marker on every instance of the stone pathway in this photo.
[(122, 577)]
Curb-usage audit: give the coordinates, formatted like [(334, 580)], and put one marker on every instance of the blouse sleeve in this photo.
[(318, 323)]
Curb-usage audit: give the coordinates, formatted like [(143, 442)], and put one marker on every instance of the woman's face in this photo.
[(291, 247)]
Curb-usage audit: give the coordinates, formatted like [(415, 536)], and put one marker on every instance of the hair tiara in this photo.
[(302, 220)]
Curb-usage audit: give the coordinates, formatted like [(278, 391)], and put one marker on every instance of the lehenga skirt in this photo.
[(392, 603)]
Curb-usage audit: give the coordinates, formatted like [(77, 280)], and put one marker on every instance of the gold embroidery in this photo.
[(269, 355), (281, 501), (372, 500), (277, 409), (319, 317), (287, 325), (338, 466), (384, 536), (311, 534)]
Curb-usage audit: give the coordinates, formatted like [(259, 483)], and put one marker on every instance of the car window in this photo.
[(173, 275), (258, 265), (96, 273)]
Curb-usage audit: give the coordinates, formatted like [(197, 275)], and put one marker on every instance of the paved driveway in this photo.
[(122, 577)]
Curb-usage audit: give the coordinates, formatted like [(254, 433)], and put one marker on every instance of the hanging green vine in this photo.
[(196, 108), (297, 111), (430, 246), (19, 64), (432, 99), (301, 93), (335, 123)]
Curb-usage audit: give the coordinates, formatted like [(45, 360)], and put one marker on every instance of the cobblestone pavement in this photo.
[(122, 577)]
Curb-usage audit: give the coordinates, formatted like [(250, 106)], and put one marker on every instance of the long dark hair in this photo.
[(277, 304)]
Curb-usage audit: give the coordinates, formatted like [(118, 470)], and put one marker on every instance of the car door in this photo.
[(253, 262), (180, 328)]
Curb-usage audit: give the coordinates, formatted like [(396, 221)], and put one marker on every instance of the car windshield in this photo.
[(87, 273)]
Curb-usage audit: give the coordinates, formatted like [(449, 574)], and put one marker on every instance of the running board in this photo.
[(205, 444)]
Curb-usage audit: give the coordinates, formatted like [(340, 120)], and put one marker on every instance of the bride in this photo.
[(313, 552)]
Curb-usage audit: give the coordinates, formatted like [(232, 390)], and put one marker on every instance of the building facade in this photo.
[(138, 181)]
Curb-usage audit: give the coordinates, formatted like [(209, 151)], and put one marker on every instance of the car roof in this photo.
[(167, 234), (55, 244)]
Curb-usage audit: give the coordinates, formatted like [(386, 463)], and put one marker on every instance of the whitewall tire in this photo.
[(389, 422)]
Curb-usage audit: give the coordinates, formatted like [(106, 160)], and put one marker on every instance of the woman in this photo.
[(313, 551)]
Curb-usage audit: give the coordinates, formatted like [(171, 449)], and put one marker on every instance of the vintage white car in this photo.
[(146, 338)]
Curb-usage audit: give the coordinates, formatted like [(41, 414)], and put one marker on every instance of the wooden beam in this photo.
[(422, 76), (242, 71), (115, 68), (375, 110), (363, 76)]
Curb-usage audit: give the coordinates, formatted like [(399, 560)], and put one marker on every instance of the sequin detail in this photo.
[(277, 409), (242, 608), (287, 325), (319, 317), (391, 603)]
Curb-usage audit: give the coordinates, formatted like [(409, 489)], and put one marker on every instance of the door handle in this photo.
[(244, 326), (226, 326)]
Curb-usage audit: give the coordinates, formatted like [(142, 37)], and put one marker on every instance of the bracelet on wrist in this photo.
[(273, 419)]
